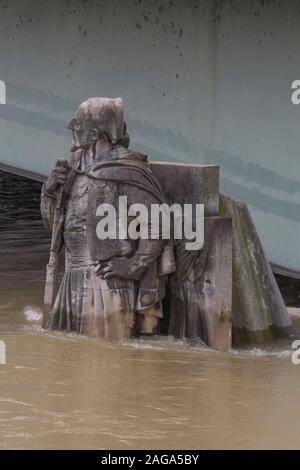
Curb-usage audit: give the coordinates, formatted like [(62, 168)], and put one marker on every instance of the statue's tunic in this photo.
[(87, 303)]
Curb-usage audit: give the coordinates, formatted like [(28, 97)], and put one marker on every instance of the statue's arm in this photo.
[(48, 201), (148, 250), (50, 190)]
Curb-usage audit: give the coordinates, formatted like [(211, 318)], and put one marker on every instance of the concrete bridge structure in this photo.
[(204, 81)]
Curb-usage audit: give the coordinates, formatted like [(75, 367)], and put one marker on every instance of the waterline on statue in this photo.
[(281, 349)]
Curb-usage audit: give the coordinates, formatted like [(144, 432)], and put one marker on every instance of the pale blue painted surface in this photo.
[(201, 83)]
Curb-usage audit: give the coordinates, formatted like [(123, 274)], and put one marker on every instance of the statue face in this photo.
[(75, 138), (99, 118), (82, 134)]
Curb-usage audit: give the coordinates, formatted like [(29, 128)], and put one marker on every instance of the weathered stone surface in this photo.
[(217, 287), (110, 285), (258, 310), (201, 300), (294, 314), (182, 183)]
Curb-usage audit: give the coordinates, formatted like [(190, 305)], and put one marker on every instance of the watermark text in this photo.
[(2, 353), (159, 221)]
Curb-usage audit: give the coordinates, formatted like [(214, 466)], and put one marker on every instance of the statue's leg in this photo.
[(148, 319), (117, 309)]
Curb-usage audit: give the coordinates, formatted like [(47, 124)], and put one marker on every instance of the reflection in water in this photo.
[(60, 391)]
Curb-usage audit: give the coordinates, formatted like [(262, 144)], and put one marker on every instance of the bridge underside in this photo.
[(203, 82)]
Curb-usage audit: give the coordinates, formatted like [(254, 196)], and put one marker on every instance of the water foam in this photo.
[(33, 314)]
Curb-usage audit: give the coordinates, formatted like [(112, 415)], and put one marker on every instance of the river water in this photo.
[(71, 392)]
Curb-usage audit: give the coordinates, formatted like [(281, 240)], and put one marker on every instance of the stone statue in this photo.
[(116, 287), (111, 288)]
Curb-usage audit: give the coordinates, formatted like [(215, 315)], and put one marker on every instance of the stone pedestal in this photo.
[(217, 288), (201, 309), (239, 299)]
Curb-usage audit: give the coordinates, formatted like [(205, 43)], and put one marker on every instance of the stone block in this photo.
[(258, 311), (217, 288), (201, 302), (183, 183)]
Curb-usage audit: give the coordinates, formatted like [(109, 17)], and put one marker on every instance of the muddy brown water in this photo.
[(70, 392)]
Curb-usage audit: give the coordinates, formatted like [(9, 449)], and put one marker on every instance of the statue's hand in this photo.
[(117, 267), (57, 177)]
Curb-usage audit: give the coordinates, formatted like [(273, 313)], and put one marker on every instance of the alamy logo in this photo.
[(296, 353), (159, 221), (2, 353), (2, 92)]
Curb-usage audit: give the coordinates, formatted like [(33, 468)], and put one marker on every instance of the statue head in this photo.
[(99, 118)]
